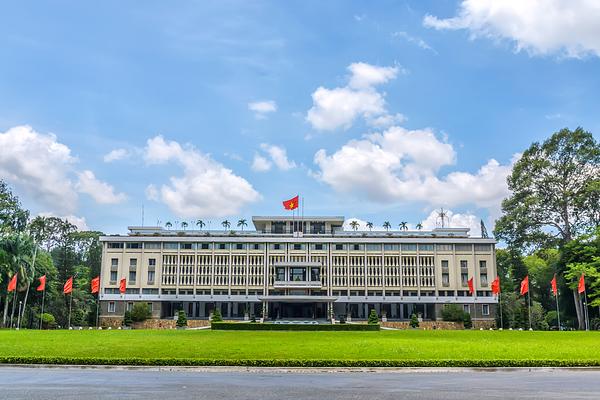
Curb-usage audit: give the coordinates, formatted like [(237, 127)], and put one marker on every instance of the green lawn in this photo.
[(576, 348)]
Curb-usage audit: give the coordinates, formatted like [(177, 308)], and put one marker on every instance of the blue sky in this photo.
[(379, 111)]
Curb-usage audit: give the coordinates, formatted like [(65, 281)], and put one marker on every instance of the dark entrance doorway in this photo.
[(298, 310)]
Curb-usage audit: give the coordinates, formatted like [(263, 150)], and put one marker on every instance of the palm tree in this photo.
[(419, 226), (387, 225), (403, 225), (15, 254), (184, 225), (242, 223), (226, 224), (370, 225), (354, 225), (168, 224), (200, 224)]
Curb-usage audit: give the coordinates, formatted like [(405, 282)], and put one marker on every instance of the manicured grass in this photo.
[(332, 348)]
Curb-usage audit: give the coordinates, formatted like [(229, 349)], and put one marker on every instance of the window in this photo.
[(152, 245), (482, 247), (186, 246), (485, 309), (444, 264), (464, 247), (318, 246), (444, 247), (114, 263), (317, 228), (113, 276), (111, 306), (356, 247), (150, 277), (278, 227), (315, 274), (298, 246), (484, 280), (132, 277), (149, 291), (464, 278), (276, 246), (132, 262), (152, 262), (170, 246), (222, 246), (149, 307), (482, 266), (298, 274), (115, 245), (133, 245), (204, 246), (446, 279), (409, 247), (464, 264), (391, 247), (111, 291), (339, 246), (280, 274), (240, 246), (467, 308), (426, 247), (129, 306), (373, 247), (256, 246)]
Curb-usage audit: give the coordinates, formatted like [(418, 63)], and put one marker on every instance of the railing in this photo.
[(297, 284)]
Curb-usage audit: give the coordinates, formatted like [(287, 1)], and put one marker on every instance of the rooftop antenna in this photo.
[(442, 217), (484, 232), (142, 214)]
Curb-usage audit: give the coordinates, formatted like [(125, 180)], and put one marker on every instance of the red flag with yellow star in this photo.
[(291, 204)]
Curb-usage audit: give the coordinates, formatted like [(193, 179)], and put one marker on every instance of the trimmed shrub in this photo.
[(181, 319), (373, 318), (140, 312), (235, 326), (453, 313), (217, 316), (127, 321), (414, 321), (48, 321), (467, 321)]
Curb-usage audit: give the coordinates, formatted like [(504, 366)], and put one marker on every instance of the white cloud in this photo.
[(79, 222), (339, 107), (38, 165), (262, 108), (206, 187), (260, 163), (278, 155), (152, 193), (402, 165), (454, 220), (385, 120), (567, 27), (115, 155), (100, 191), (414, 40)]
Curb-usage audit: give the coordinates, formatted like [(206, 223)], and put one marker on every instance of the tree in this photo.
[(140, 312), (554, 191), (582, 256), (373, 318), (216, 317), (387, 225), (370, 226), (127, 320), (168, 224), (226, 224), (181, 319), (200, 224), (48, 320), (419, 226), (403, 226), (16, 249), (242, 223), (414, 321), (453, 313), (354, 224), (13, 218), (184, 225)]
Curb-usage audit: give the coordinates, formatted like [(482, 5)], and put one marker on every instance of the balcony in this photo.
[(297, 284)]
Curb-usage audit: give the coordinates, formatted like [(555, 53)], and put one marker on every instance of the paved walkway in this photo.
[(237, 383)]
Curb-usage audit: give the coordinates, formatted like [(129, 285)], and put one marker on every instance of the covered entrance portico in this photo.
[(297, 307)]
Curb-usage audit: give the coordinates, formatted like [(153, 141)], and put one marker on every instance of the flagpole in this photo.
[(12, 313), (43, 298), (557, 310), (500, 304), (529, 303), (587, 321), (70, 303), (97, 308)]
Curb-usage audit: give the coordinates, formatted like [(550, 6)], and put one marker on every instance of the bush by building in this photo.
[(414, 321), (216, 317), (373, 318), (181, 319), (48, 321), (140, 312)]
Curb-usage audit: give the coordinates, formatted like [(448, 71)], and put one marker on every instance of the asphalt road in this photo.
[(148, 384)]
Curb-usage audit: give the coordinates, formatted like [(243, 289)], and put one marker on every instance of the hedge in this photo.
[(299, 363), (237, 326)]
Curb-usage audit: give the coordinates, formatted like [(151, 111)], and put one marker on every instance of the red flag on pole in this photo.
[(471, 289), (122, 286), (68, 288), (42, 286), (291, 204), (525, 286), (581, 285), (496, 285), (95, 285), (554, 287), (12, 284)]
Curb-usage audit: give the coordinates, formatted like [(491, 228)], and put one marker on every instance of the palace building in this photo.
[(298, 268)]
